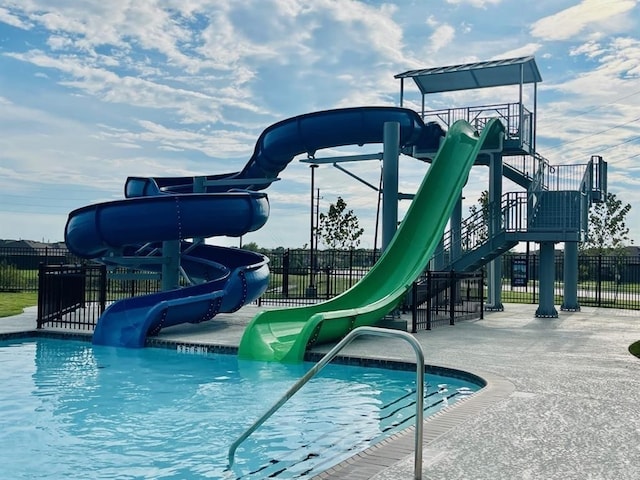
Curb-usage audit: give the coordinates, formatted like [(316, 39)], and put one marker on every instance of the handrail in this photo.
[(473, 232), (381, 332)]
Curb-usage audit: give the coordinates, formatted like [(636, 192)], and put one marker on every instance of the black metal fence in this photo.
[(437, 298), (443, 298), (19, 266), (76, 295), (603, 280), (292, 282), (71, 295)]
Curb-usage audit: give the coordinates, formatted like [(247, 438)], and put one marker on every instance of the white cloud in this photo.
[(523, 51), (570, 22), (442, 36), (475, 3), (10, 19)]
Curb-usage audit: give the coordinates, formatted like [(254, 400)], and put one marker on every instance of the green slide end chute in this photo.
[(284, 334)]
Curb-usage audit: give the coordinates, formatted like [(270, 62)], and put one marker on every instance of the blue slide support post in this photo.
[(546, 308), (570, 277), (171, 265), (494, 269), (390, 157)]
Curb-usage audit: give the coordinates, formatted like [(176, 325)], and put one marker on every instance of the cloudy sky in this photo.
[(92, 91)]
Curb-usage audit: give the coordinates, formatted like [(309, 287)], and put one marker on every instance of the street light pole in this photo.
[(317, 227), (311, 289)]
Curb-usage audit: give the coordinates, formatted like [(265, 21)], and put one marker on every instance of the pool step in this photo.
[(396, 415)]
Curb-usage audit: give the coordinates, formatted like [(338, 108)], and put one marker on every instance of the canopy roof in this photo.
[(493, 73)]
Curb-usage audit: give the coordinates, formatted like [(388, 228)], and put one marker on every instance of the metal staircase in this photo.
[(554, 207)]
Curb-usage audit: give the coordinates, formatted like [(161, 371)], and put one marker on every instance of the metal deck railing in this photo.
[(516, 118)]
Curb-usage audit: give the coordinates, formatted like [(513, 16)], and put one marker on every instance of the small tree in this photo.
[(480, 225), (608, 232), (251, 246), (339, 227)]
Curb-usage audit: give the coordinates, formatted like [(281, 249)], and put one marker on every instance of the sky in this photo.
[(94, 91)]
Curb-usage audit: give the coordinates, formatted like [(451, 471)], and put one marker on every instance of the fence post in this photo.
[(327, 271), (41, 293), (351, 267), (414, 307), (285, 274), (452, 299), (599, 282), (536, 263), (103, 288), (429, 297), (481, 294)]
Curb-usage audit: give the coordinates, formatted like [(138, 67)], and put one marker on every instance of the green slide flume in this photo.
[(284, 334)]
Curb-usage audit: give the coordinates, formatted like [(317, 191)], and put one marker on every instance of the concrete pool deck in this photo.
[(563, 396)]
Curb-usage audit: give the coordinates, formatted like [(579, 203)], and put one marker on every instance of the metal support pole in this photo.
[(171, 265), (520, 106), (311, 289), (533, 127), (494, 269), (570, 277), (546, 308), (199, 186), (391, 154), (317, 217)]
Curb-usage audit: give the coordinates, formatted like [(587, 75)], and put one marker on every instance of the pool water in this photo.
[(69, 409)]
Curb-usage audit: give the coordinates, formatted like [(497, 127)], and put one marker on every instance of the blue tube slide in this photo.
[(307, 133), (223, 279), (164, 209)]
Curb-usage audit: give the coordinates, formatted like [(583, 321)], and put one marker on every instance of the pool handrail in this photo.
[(365, 330)]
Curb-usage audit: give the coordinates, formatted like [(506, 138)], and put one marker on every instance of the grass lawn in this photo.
[(13, 303), (634, 348)]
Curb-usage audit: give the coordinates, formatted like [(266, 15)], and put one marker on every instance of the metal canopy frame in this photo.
[(492, 73)]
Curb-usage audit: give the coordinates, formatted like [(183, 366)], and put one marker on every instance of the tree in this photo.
[(608, 233), (339, 227), (252, 246), (480, 225)]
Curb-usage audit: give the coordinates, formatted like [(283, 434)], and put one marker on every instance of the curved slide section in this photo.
[(282, 141), (222, 279), (284, 334)]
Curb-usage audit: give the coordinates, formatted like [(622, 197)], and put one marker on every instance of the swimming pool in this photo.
[(69, 409)]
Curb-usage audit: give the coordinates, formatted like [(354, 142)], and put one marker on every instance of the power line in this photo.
[(624, 158), (598, 107), (617, 144), (593, 134)]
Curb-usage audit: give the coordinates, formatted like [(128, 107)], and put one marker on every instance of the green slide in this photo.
[(284, 334)]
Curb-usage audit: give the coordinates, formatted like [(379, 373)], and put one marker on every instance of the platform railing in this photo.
[(360, 331), (516, 118)]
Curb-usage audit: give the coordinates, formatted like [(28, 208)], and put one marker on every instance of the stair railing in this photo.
[(474, 230)]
